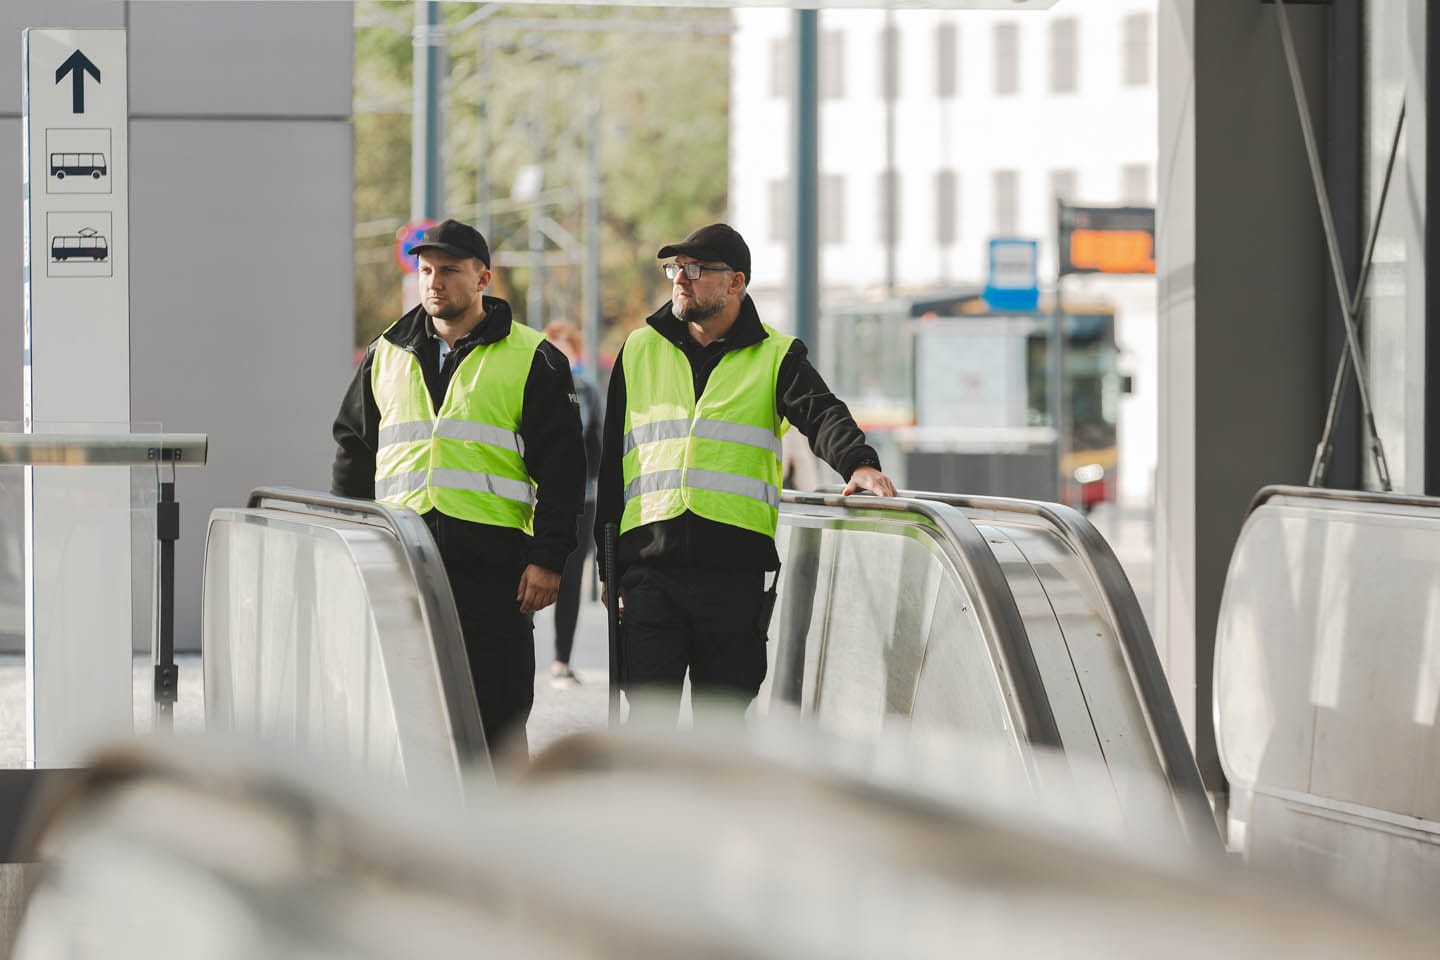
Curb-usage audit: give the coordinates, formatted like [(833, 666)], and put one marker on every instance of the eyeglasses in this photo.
[(691, 270)]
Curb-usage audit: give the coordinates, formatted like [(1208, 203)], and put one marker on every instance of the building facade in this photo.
[(941, 129)]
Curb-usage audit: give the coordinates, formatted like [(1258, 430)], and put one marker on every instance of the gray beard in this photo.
[(698, 313)]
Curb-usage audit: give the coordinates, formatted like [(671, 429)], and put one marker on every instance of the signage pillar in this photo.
[(76, 378)]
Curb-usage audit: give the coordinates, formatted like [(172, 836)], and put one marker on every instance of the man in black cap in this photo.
[(471, 420), (699, 399)]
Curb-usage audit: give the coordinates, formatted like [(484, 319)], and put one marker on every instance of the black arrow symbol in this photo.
[(77, 65)]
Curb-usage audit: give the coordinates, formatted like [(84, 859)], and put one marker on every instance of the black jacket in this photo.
[(592, 420), (549, 428), (801, 397)]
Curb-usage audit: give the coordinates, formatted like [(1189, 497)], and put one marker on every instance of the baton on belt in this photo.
[(612, 616)]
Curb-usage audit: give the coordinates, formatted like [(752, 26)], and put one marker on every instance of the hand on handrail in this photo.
[(869, 480)]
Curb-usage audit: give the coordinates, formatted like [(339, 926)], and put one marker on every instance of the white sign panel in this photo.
[(76, 376), (970, 373), (77, 290)]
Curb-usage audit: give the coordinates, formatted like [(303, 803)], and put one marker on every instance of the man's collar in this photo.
[(416, 326), (746, 331), (493, 326)]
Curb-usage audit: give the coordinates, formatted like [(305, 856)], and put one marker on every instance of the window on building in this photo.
[(780, 67), (889, 207), (832, 65), (947, 61), (1007, 58), (779, 211), (1005, 194), (1135, 184), (1062, 185), (1064, 55), (947, 207), (1062, 190), (889, 62), (832, 208), (1136, 57)]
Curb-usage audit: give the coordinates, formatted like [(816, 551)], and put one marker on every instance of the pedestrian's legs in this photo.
[(567, 603), (500, 643), (728, 658), (657, 645)]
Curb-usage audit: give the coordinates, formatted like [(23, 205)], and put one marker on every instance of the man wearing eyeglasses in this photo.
[(699, 399)]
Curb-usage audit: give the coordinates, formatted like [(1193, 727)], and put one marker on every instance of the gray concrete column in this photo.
[(1242, 304)]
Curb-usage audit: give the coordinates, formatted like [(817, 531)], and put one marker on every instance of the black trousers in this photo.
[(704, 621), (567, 603), (499, 641)]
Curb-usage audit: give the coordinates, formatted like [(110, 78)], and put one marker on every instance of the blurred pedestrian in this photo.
[(471, 420), (566, 338), (699, 398)]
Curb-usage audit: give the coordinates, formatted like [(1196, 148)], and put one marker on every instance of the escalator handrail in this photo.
[(1181, 771), (1373, 497), (427, 570), (994, 601)]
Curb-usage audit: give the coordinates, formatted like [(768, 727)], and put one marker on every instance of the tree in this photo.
[(517, 95)]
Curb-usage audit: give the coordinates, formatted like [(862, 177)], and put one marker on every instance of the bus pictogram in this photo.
[(86, 243), (64, 165)]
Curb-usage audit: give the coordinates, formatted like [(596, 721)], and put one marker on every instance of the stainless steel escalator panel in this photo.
[(1087, 650), (1067, 699)]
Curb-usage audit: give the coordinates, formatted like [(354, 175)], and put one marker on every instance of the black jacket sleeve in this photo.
[(554, 455), (592, 417), (802, 397), (610, 492), (356, 432)]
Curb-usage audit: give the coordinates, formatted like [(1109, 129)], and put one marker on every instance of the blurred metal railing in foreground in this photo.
[(626, 846), (330, 622)]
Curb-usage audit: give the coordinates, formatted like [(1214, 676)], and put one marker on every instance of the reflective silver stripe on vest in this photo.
[(659, 430), (738, 433), (405, 432), (705, 429), (653, 483), (704, 480), (388, 487), (503, 487), (452, 429), (733, 483)]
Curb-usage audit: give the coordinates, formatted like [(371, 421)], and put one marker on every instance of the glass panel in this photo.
[(313, 634), (1393, 367), (891, 634), (97, 540), (12, 558), (960, 685)]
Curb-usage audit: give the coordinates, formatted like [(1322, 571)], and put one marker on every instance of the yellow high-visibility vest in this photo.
[(467, 460), (717, 456)]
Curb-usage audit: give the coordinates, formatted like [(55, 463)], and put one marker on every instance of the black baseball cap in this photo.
[(455, 238), (718, 242)]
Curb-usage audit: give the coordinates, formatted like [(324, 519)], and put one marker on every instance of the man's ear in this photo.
[(485, 277)]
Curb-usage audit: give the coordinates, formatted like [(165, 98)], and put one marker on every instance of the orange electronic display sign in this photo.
[(1113, 251), (1107, 239)]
